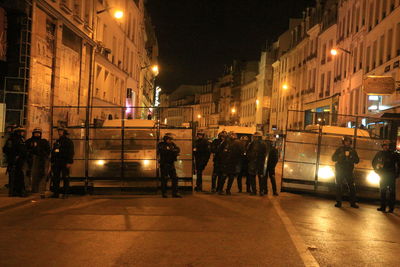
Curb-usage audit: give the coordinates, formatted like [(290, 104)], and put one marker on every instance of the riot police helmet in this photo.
[(168, 136), (347, 139), (37, 130), (19, 129)]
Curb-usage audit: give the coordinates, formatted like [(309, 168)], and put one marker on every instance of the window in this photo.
[(374, 56), (322, 83), (377, 11), (389, 45), (381, 49), (361, 54), (368, 59), (398, 40)]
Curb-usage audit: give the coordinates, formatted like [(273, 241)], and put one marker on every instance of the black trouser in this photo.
[(215, 178), (345, 177), (239, 180), (253, 183), (199, 179), (221, 182), (60, 171), (271, 174), (388, 182), (168, 171), (16, 182)]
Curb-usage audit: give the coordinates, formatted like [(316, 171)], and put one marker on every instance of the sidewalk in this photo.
[(7, 202)]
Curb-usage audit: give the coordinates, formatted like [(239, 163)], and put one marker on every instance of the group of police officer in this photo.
[(33, 160), (386, 164), (232, 158)]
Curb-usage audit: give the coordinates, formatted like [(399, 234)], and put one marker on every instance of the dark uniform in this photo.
[(386, 164), (345, 158), (217, 168), (38, 161), (62, 156), (230, 158), (256, 154), (272, 160), (16, 154), (168, 153), (244, 162), (201, 153)]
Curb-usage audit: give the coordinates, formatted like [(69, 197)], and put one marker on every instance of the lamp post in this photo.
[(285, 87)]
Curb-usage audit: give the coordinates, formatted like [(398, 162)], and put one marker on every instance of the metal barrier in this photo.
[(116, 147), (307, 163)]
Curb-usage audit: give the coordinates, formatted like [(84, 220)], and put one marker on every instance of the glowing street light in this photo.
[(155, 69), (199, 116), (233, 110), (334, 52), (118, 14), (285, 86)]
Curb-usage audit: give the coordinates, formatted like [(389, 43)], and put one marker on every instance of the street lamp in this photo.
[(334, 51), (118, 13), (233, 110), (199, 116)]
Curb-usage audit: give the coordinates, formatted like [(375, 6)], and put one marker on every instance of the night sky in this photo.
[(198, 37)]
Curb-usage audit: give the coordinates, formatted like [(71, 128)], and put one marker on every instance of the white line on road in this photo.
[(301, 247)]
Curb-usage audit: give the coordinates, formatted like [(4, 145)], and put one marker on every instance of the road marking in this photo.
[(77, 206), (301, 247)]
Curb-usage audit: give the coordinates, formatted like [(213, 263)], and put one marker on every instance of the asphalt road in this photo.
[(198, 230)]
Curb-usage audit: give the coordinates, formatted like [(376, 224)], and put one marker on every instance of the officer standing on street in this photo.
[(38, 161), (386, 163), (168, 153), (272, 160), (345, 158), (16, 154), (62, 158), (201, 152), (217, 148), (231, 156), (256, 154), (244, 162)]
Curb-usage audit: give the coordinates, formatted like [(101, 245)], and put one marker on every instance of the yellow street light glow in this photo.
[(285, 86), (118, 14), (100, 162), (326, 173), (334, 52), (146, 162), (233, 110), (373, 178), (199, 116), (155, 69), (257, 102)]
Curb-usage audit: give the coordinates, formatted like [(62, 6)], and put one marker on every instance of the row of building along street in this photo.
[(58, 57), (319, 65)]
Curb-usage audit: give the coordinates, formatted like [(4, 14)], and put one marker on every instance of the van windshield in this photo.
[(111, 139)]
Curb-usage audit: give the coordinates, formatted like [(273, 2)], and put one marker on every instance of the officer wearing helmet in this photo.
[(244, 162), (201, 153), (386, 164), (15, 151), (62, 158), (168, 153), (217, 147), (38, 161), (256, 153), (345, 158), (231, 156)]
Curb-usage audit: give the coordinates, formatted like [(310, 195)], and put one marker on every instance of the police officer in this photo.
[(345, 158), (272, 160), (38, 161), (256, 154), (201, 152), (231, 156), (168, 153), (16, 154), (386, 164), (217, 147), (244, 162), (62, 158)]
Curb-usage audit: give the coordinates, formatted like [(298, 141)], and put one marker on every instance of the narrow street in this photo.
[(198, 230)]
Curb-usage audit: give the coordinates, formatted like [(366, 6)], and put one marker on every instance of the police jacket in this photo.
[(231, 156), (39, 147), (273, 157), (386, 162), (345, 158), (15, 150), (201, 152), (214, 147), (63, 151), (168, 152)]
